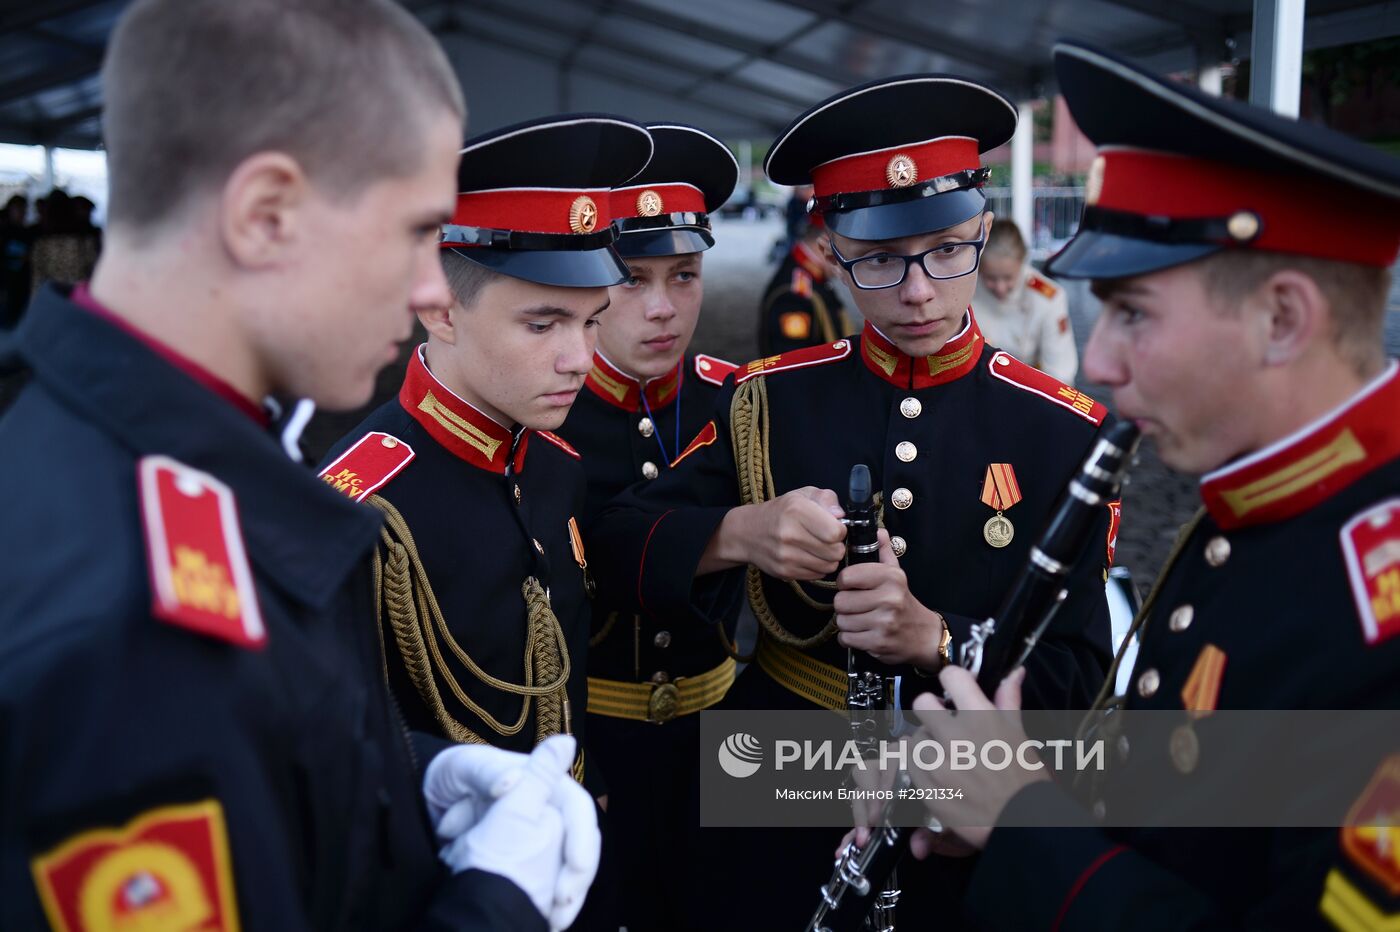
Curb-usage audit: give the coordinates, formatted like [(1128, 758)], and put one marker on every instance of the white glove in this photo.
[(465, 780), (532, 824)]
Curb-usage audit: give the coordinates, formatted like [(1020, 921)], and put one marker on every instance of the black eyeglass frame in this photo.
[(849, 264)]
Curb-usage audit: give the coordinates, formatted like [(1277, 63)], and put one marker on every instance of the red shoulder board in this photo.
[(712, 369), (1036, 283), (559, 442), (169, 868), (797, 359), (801, 283), (708, 435), (1371, 546), (200, 578), (1011, 370), (368, 466)]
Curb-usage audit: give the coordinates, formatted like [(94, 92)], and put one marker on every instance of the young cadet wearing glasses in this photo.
[(968, 448)]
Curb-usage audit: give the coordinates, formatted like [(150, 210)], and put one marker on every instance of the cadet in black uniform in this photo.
[(482, 579), (645, 396), (1242, 262), (799, 306), (194, 732), (968, 448)]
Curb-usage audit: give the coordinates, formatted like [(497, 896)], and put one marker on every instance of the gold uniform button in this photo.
[(1100, 810), (645, 427), (660, 678), (899, 546), (1217, 551), (649, 470), (911, 407), (662, 639), (906, 452), (389, 442), (1181, 618), (901, 498), (1122, 747), (1148, 683)]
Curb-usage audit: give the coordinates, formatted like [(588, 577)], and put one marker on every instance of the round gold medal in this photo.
[(998, 531)]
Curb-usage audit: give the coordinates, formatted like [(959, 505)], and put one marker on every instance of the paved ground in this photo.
[(1156, 501)]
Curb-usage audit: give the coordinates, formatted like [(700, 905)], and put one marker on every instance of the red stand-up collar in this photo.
[(82, 296), (811, 263), (462, 429), (1310, 466), (624, 391), (956, 359)]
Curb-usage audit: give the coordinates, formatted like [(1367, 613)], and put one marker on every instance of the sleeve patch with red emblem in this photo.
[(1012, 371), (368, 466), (708, 435), (1115, 518), (200, 577), (801, 283), (169, 868), (797, 359), (1361, 892), (560, 442), (1040, 285), (1371, 546), (712, 369)]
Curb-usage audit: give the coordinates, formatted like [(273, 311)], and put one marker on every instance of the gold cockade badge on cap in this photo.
[(901, 171), (583, 214), (648, 203)]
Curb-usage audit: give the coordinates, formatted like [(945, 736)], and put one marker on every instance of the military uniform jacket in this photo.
[(799, 307), (487, 509), (193, 727), (1032, 324), (930, 430), (625, 440), (1285, 595)]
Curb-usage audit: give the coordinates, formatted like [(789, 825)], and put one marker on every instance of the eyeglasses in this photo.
[(885, 270)]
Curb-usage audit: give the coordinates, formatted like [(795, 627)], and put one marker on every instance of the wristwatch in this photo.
[(945, 649)]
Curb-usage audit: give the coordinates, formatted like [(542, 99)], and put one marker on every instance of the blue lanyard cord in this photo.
[(657, 425)]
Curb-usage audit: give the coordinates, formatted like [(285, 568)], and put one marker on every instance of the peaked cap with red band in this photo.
[(896, 157), (535, 198), (665, 210), (1190, 175)]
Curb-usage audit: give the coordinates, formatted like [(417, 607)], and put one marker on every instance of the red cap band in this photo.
[(650, 200), (895, 167), (1299, 215), (534, 210)]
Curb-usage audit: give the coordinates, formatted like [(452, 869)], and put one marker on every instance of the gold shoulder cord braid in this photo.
[(749, 427), (402, 591)]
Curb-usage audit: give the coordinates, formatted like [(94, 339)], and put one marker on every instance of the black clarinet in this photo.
[(993, 650)]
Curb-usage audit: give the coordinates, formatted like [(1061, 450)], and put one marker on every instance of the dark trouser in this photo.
[(654, 813)]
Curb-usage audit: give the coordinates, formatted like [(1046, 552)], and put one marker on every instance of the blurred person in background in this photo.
[(1022, 311)]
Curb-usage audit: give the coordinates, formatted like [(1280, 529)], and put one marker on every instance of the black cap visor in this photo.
[(569, 268), (675, 241), (907, 218), (1093, 254)]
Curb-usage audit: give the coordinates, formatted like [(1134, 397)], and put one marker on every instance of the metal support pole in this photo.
[(1022, 162), (50, 178), (1276, 55)]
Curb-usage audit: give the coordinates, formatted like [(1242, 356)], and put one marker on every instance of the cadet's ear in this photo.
[(988, 218), (437, 320), (1292, 311), (263, 209)]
